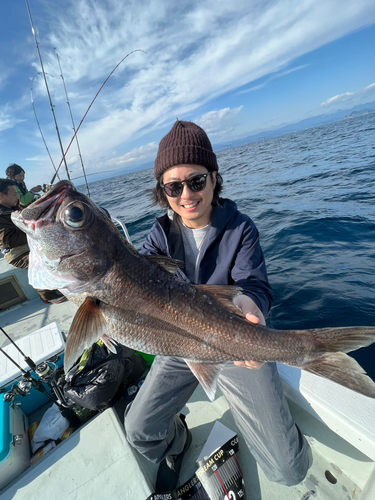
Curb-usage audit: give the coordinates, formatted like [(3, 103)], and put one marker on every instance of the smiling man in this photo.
[(218, 245)]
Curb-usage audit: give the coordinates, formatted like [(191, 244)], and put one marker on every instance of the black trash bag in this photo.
[(95, 381)]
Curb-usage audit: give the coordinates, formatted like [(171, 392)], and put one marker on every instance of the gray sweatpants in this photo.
[(255, 398)]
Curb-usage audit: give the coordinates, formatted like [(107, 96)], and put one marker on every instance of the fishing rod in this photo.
[(88, 109), (37, 121), (63, 160), (48, 92), (93, 173), (71, 117)]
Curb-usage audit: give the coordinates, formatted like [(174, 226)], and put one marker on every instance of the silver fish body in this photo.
[(139, 301)]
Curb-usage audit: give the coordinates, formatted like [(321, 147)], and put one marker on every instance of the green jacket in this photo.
[(25, 199)]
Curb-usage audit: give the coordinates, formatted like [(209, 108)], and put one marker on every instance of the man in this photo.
[(218, 246), (17, 174), (13, 241)]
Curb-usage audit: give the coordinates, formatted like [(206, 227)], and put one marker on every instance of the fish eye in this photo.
[(75, 214)]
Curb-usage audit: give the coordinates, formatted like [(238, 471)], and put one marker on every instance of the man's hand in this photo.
[(254, 315)]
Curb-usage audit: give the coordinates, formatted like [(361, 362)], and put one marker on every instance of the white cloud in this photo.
[(8, 121), (338, 98), (135, 156), (219, 124), (36, 159), (350, 99), (196, 51), (279, 74)]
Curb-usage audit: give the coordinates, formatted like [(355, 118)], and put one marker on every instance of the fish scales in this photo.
[(203, 317), (201, 324), (139, 301)]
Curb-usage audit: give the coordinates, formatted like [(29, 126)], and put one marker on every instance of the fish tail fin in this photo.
[(343, 370), (344, 339), (87, 326)]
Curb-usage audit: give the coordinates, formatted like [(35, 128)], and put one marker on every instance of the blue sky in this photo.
[(234, 67)]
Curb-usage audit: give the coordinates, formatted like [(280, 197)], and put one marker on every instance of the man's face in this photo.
[(10, 199), (194, 208)]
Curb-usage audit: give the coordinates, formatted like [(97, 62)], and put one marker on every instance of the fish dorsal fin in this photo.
[(87, 326), (207, 374), (168, 264), (225, 295)]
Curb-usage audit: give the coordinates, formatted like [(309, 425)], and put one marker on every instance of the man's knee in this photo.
[(294, 472), (134, 426)]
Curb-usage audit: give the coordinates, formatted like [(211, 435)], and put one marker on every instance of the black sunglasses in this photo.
[(195, 184)]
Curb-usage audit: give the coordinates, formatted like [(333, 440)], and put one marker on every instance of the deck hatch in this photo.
[(10, 292)]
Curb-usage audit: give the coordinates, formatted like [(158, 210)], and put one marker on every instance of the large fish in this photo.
[(139, 301)]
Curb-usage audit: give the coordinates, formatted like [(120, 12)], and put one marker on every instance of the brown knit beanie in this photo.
[(185, 143)]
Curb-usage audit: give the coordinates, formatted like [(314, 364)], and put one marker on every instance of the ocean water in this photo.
[(312, 196)]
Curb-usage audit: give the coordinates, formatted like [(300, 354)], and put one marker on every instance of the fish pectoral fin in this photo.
[(225, 294), (168, 264), (207, 374), (343, 370), (87, 326)]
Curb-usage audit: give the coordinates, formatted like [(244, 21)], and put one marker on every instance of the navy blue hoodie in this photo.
[(230, 255)]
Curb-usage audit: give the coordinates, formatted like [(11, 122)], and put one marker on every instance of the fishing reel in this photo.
[(46, 187), (47, 370), (22, 389), (47, 373)]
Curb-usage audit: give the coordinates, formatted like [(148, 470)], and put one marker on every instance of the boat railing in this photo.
[(123, 227)]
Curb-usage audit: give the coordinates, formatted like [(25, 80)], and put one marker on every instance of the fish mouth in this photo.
[(42, 210), (43, 204)]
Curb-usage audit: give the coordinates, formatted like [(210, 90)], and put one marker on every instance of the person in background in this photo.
[(17, 175), (218, 246), (13, 241)]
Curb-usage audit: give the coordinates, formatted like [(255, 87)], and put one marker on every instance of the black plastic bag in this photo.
[(95, 381)]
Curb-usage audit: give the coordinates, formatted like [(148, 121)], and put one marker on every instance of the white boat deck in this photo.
[(96, 462)]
